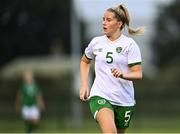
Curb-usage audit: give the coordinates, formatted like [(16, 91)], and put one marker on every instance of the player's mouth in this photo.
[(104, 28)]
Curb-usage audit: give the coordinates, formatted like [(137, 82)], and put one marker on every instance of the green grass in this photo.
[(155, 125), (53, 125)]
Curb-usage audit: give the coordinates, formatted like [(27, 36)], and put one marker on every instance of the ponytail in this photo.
[(137, 31), (122, 12)]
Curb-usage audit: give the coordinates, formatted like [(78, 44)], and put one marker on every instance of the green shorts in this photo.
[(122, 113)]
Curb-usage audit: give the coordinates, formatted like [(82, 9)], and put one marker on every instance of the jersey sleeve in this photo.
[(134, 54), (89, 50)]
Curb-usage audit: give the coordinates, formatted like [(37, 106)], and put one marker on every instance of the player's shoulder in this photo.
[(129, 41), (98, 39)]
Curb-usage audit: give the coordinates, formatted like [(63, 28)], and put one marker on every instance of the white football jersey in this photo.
[(107, 54)]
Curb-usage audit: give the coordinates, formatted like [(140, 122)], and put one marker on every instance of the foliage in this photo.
[(32, 27), (166, 40)]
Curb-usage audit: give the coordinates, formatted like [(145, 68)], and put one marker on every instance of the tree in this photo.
[(30, 27), (166, 40)]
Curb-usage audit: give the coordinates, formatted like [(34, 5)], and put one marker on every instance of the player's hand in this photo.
[(116, 72), (84, 92)]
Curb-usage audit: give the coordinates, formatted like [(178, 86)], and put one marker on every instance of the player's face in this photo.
[(110, 24), (28, 78)]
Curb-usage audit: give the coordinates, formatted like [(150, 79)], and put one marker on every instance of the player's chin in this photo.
[(105, 32)]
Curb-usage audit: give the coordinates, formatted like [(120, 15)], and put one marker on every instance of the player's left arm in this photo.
[(135, 73)]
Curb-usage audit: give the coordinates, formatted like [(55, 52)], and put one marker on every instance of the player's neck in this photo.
[(114, 37)]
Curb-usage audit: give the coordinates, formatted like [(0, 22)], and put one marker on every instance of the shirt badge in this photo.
[(118, 49)]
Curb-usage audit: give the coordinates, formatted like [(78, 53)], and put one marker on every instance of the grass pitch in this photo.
[(54, 125)]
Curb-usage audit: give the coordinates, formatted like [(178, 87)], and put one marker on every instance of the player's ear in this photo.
[(120, 23)]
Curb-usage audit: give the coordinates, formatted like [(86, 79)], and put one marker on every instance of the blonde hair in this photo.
[(121, 13)]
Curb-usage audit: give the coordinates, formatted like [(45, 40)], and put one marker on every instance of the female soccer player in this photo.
[(30, 99), (117, 63)]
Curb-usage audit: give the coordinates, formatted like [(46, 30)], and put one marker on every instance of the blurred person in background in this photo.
[(30, 101), (117, 64)]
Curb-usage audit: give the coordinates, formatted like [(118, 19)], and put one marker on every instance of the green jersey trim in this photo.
[(133, 64), (87, 57)]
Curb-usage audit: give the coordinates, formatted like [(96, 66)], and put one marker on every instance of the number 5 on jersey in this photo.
[(109, 58)]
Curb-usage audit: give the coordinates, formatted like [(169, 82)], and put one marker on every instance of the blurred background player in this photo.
[(30, 100)]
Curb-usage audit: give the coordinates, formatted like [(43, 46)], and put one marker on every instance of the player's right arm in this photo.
[(84, 71)]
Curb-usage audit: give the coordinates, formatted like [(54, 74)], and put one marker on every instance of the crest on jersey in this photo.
[(118, 49)]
